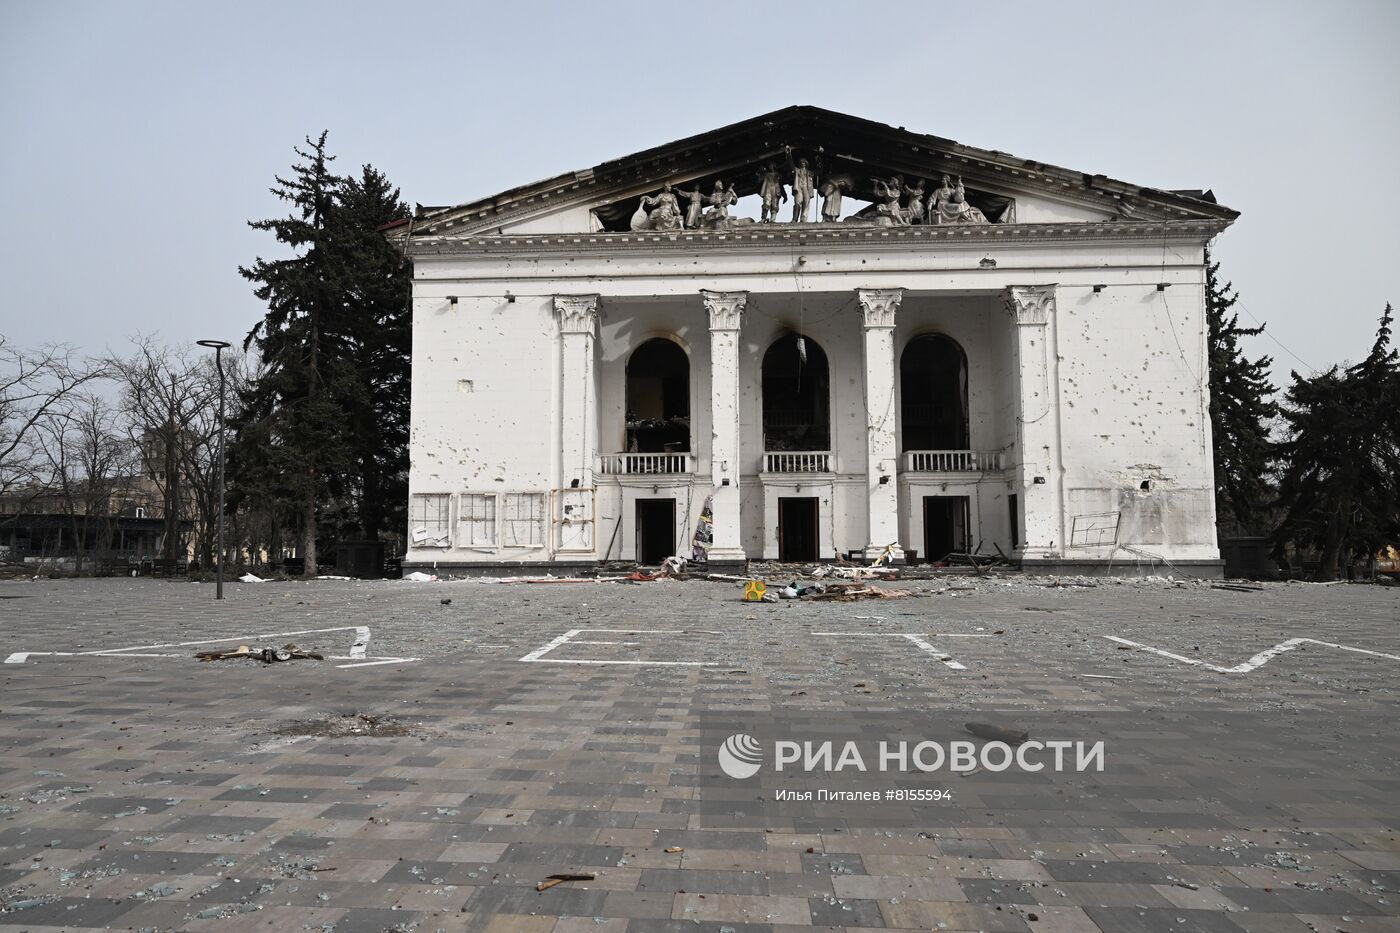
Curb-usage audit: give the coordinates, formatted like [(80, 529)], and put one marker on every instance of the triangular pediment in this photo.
[(866, 157)]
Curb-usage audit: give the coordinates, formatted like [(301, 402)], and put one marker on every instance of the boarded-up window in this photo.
[(476, 519), (523, 519), (430, 520)]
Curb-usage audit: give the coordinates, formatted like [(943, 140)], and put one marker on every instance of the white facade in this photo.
[(1084, 438)]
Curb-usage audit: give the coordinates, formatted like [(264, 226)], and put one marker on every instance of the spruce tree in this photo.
[(1241, 408), (377, 304), (1340, 485), (304, 342)]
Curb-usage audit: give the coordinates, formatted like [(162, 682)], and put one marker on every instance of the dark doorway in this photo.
[(945, 526), (797, 528), (656, 530), (933, 394), (1013, 507), (796, 395), (658, 399)]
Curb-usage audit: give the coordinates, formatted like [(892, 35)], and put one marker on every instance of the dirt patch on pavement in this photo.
[(343, 725)]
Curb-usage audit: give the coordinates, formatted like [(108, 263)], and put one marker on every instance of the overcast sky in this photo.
[(137, 138)]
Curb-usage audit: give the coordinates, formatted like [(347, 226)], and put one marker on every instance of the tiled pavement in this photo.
[(162, 793)]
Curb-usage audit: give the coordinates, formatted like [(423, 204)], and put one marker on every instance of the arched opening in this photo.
[(658, 398), (933, 394), (796, 396)]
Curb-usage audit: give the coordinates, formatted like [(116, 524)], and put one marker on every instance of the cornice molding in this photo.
[(824, 236)]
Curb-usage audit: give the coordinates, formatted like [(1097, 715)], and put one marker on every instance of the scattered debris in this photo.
[(419, 576), (672, 850), (349, 724), (996, 733), (552, 880), (251, 578), (287, 652)]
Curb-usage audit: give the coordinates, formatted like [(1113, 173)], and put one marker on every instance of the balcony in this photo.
[(952, 461), (645, 464), (797, 461)]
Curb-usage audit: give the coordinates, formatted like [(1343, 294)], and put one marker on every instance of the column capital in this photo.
[(578, 314), (726, 308), (1030, 305), (878, 305)]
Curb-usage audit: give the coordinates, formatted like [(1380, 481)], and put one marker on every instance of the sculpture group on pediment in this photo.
[(898, 203), (948, 204), (659, 212)]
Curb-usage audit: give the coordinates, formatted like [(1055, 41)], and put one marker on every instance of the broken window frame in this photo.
[(477, 514), (435, 516), (512, 523)]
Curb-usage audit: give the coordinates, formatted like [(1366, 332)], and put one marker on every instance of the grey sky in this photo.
[(139, 137)]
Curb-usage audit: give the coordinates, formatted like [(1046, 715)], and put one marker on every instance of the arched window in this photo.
[(796, 396), (933, 394), (658, 398)]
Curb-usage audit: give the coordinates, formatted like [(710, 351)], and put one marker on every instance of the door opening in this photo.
[(797, 528), (945, 526), (656, 530)]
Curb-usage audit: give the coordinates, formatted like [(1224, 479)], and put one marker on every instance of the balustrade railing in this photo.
[(629, 464), (952, 461), (797, 461)]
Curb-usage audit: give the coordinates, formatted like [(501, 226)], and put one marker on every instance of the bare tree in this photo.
[(87, 464), (32, 384), (199, 448), (167, 399)]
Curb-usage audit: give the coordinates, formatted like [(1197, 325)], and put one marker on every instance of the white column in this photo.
[(1038, 468), (726, 311), (578, 423), (878, 307)]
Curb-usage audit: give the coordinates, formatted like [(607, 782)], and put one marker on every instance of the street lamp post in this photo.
[(219, 346)]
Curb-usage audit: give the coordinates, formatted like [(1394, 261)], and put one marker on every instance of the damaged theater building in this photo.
[(811, 336)]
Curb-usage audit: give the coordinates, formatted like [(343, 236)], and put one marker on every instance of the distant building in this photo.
[(122, 519), (909, 346)]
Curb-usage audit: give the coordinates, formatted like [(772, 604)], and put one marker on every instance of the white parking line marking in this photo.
[(538, 655), (919, 641), (926, 647), (1259, 660), (358, 649)]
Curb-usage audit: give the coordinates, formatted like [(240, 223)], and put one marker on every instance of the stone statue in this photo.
[(664, 213), (916, 202), (831, 197), (889, 213), (804, 188), (720, 199), (695, 203), (772, 191), (948, 204)]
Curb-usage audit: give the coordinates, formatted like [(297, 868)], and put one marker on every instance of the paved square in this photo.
[(447, 757)]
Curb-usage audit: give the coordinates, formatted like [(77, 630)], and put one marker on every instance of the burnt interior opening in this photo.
[(933, 394), (796, 396), (658, 398)]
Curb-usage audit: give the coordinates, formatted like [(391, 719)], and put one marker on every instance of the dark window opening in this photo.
[(797, 528), (796, 396), (658, 399), (656, 530), (933, 394)]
